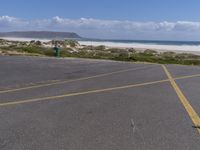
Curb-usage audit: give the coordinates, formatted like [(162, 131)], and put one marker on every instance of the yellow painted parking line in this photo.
[(74, 80), (80, 93), (56, 82), (192, 113), (186, 77), (28, 85)]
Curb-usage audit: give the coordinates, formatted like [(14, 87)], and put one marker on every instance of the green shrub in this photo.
[(100, 48), (71, 43), (131, 50), (33, 49), (49, 52), (117, 50), (150, 52)]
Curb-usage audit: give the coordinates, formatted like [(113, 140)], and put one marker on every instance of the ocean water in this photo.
[(148, 44)]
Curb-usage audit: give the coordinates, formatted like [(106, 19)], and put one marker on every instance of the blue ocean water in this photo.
[(156, 42)]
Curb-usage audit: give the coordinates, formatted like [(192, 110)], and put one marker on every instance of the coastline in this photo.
[(192, 49), (100, 50), (141, 47)]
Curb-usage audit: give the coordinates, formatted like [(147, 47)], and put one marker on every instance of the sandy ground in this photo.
[(142, 47)]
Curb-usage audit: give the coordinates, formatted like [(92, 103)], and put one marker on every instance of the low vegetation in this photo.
[(71, 48)]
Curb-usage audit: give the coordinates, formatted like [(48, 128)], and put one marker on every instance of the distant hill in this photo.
[(40, 34)]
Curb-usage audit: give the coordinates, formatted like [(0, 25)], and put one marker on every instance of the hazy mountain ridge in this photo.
[(40, 34)]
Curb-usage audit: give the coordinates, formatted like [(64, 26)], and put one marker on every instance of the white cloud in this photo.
[(6, 22), (186, 25), (96, 28)]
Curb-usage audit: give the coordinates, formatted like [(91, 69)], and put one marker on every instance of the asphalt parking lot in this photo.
[(81, 104)]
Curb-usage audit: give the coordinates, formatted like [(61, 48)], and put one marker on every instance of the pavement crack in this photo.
[(133, 126), (139, 139)]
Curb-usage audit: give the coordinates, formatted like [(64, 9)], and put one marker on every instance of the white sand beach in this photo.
[(176, 48)]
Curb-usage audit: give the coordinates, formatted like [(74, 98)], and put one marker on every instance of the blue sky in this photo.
[(120, 19)]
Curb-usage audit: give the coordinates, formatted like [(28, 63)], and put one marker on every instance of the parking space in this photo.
[(98, 105)]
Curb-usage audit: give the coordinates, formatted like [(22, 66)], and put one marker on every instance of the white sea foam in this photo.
[(187, 48)]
